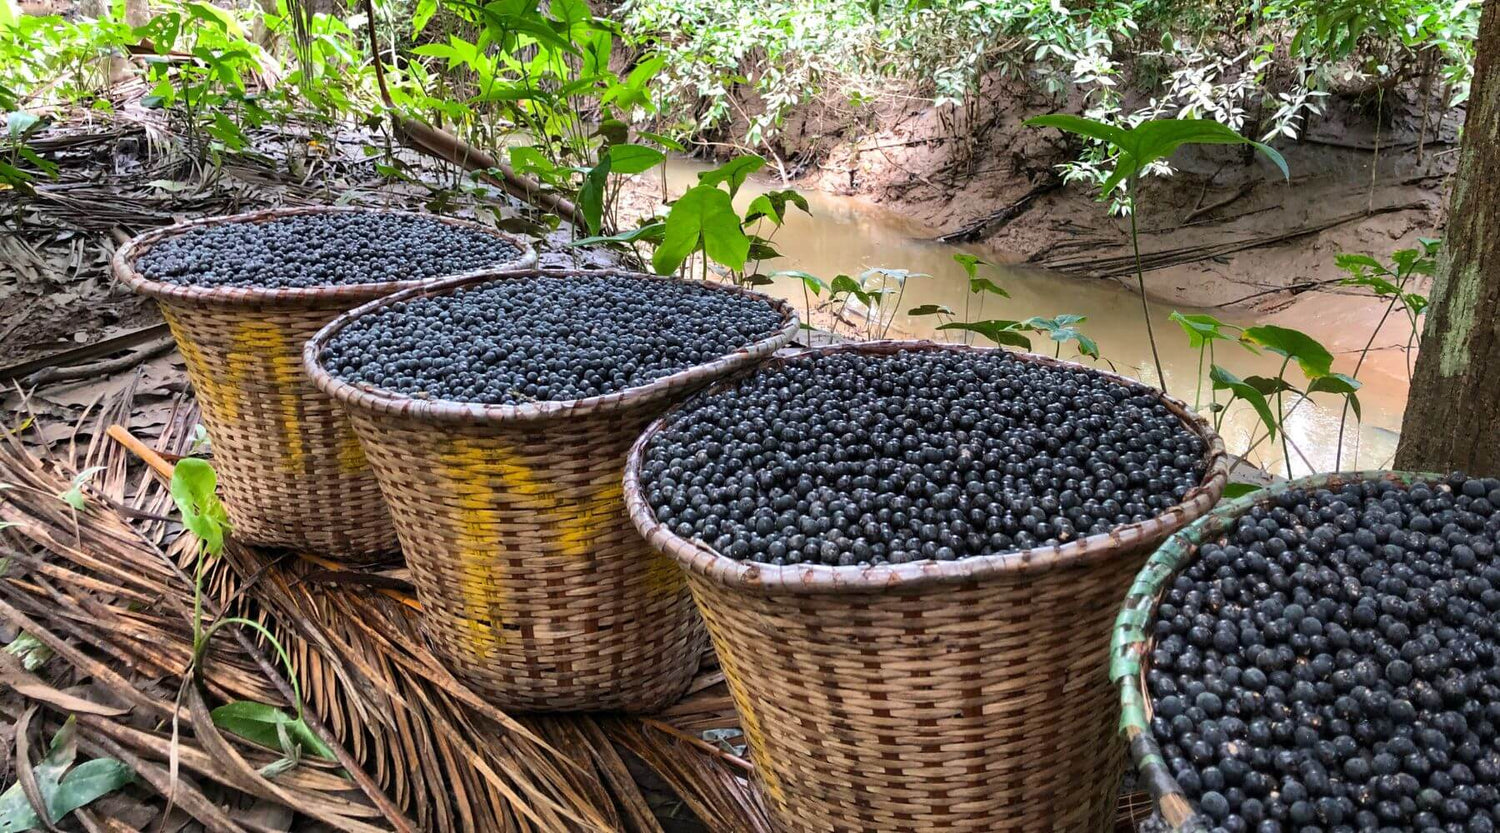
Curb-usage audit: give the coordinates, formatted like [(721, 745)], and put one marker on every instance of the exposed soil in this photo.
[(1226, 230)]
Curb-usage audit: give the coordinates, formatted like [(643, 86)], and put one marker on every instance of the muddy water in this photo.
[(846, 235)]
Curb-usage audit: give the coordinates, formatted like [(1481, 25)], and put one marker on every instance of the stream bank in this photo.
[(849, 234)]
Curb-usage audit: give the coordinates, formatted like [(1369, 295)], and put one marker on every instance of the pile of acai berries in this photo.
[(546, 338), (857, 458), (1332, 664), (317, 250)]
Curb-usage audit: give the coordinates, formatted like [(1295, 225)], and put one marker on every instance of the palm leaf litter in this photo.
[(101, 582)]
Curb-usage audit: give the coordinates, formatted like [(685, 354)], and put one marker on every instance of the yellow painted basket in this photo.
[(534, 585), (291, 470)]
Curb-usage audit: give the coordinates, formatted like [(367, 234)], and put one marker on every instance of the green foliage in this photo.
[(73, 495), (1200, 329), (1297, 346), (1152, 141), (1240, 389), (193, 490), (1062, 329), (702, 219), (32, 652), (1234, 490), (63, 786), (1003, 332), (270, 727)]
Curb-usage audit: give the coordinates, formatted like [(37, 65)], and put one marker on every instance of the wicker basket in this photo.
[(292, 472), (931, 696), (533, 583), (1130, 649)]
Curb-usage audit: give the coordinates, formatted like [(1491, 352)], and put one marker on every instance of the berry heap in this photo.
[(849, 459), (312, 250), (1333, 664), (545, 338)]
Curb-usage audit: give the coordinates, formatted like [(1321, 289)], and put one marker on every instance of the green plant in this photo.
[(194, 491), (1135, 150), (704, 221), (1265, 395), (1389, 282), (62, 786)]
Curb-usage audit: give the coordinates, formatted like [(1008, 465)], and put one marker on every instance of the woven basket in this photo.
[(292, 472), (953, 696), (1130, 648), (533, 583)]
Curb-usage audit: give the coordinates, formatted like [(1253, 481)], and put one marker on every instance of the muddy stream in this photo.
[(848, 235)]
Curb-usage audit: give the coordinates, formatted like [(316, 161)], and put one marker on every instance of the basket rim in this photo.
[(123, 264), (702, 561), (1130, 638), (370, 399)]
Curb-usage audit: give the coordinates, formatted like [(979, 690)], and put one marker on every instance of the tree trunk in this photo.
[(1453, 415)]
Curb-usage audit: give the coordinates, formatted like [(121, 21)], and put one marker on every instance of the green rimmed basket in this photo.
[(1130, 645)]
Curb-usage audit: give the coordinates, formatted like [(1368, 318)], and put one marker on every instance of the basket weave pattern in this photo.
[(931, 696), (535, 586), (292, 471), (1130, 648)]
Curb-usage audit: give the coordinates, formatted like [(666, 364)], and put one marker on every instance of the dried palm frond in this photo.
[(105, 587)]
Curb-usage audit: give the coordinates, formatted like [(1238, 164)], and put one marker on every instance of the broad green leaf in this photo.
[(1268, 386), (193, 490), (1152, 140), (761, 207), (263, 724), (1234, 490), (1225, 380), (930, 309), (530, 160), (422, 15), (651, 232), (812, 282), (633, 159), (62, 793), (591, 194), (734, 172), (1312, 357), (970, 263), (843, 284), (900, 276), (513, 92), (613, 131), (1199, 328), (1107, 133), (1380, 286), (1160, 138), (665, 141), (8, 13), (1339, 384), (1000, 331), (772, 204), (1357, 262), (704, 217), (761, 249), (1087, 346), (977, 285)]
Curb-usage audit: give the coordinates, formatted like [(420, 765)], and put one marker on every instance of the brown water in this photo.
[(847, 235)]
